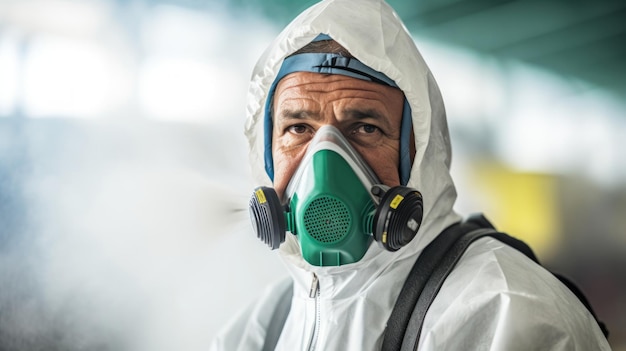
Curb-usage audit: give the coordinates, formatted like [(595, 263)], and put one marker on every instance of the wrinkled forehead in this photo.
[(311, 85)]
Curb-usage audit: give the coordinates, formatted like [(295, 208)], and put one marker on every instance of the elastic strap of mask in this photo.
[(331, 63)]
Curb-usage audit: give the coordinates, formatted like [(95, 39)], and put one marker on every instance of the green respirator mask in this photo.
[(336, 206)]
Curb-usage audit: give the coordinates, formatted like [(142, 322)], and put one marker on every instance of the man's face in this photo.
[(368, 114)]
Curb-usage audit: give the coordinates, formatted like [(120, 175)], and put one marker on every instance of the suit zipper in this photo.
[(314, 292)]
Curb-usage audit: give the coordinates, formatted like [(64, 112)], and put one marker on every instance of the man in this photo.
[(345, 78)]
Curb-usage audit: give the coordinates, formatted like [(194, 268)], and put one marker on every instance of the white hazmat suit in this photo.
[(495, 299)]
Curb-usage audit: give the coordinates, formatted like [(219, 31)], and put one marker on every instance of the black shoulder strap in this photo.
[(432, 287), (279, 317), (421, 273)]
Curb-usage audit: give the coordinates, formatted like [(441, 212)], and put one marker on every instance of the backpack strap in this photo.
[(418, 277), (279, 317), (433, 285)]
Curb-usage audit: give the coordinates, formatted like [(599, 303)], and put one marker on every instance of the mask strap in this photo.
[(331, 63), (405, 143)]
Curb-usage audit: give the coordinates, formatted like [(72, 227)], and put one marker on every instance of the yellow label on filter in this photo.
[(260, 195), (396, 201), (384, 238)]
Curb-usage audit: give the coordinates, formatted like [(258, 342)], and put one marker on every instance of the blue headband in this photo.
[(336, 64)]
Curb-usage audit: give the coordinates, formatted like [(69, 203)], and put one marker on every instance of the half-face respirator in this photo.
[(335, 206)]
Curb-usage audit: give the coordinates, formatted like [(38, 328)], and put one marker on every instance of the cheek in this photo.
[(285, 166), (384, 163)]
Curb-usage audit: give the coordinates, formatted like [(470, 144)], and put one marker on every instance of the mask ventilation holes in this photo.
[(327, 219), (268, 216)]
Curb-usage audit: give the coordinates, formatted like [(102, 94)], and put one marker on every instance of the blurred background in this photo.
[(123, 169)]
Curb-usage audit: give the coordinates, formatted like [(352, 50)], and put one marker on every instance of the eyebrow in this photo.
[(298, 114), (362, 114), (358, 114)]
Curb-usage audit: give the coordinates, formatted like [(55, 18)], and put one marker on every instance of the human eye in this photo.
[(298, 129), (366, 134), (297, 134), (367, 129)]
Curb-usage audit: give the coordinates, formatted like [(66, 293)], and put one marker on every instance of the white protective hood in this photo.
[(493, 287), (358, 26)]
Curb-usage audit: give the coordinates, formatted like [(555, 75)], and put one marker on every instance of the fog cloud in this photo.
[(124, 237)]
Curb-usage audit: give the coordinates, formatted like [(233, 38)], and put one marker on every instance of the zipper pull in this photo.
[(314, 286)]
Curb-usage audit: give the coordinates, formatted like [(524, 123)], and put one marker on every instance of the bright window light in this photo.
[(188, 90), (66, 78)]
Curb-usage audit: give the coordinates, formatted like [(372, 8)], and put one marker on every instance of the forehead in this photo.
[(309, 84)]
